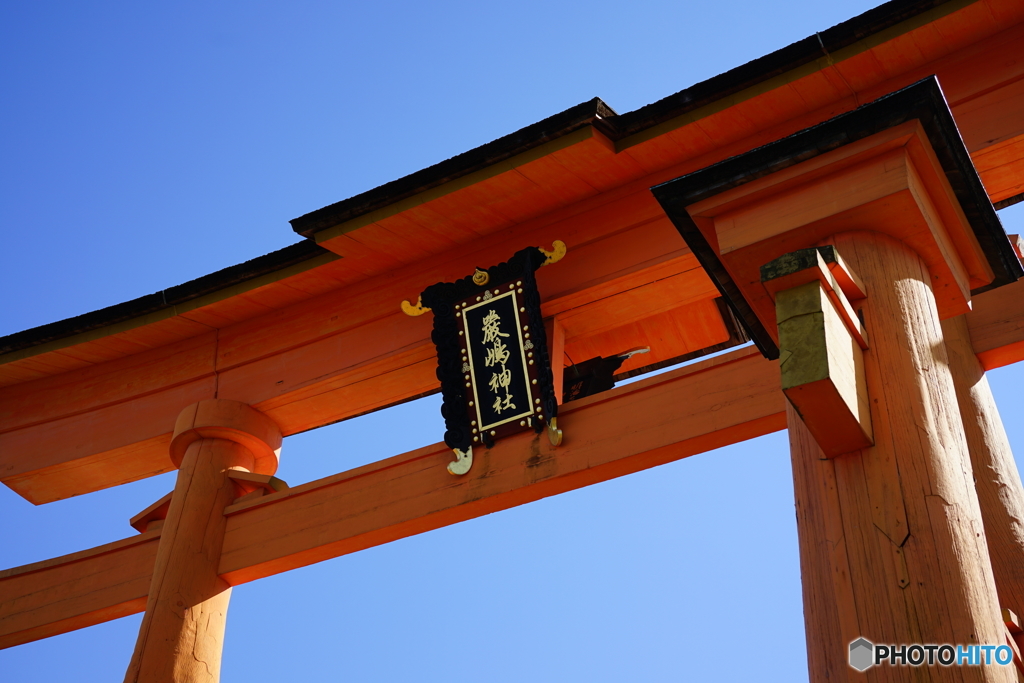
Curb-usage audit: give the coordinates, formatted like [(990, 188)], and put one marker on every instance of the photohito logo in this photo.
[(864, 654)]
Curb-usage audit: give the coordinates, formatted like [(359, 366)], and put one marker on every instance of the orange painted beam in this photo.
[(996, 324), (297, 357), (74, 591), (106, 425), (1001, 167), (727, 399), (690, 410)]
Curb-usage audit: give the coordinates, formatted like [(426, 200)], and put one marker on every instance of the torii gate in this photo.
[(860, 246)]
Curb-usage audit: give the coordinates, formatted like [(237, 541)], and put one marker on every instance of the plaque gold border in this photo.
[(522, 354)]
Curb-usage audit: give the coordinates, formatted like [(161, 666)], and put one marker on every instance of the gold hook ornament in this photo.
[(418, 309), (558, 250), (482, 277), (462, 463)]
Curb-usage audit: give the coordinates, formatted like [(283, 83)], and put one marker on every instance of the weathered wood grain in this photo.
[(181, 637), (822, 369), (911, 527), (996, 477)]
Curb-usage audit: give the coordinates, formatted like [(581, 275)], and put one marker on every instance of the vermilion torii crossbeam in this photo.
[(112, 580), (730, 398)]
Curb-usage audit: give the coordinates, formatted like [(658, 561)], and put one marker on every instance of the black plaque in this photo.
[(492, 353), (497, 355)]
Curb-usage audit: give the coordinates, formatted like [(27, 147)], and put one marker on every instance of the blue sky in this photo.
[(144, 144)]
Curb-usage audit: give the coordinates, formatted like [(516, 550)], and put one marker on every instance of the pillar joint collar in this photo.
[(220, 418)]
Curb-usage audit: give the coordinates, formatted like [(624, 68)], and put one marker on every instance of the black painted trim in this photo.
[(596, 112), (523, 140), (923, 101), (593, 112), (167, 298), (1009, 201)]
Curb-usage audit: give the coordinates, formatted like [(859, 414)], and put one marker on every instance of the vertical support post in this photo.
[(830, 610), (996, 477), (182, 633), (892, 543)]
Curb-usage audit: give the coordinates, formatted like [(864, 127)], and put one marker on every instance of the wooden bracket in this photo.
[(152, 517), (251, 486), (255, 485), (554, 331), (826, 266), (821, 345), (1018, 246), (1012, 622)]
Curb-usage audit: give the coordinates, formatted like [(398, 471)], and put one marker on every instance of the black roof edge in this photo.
[(617, 127), (593, 112), (167, 298), (561, 124), (923, 101), (820, 45)]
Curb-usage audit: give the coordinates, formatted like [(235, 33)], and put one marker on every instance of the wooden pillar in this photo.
[(182, 633), (830, 611), (892, 543), (996, 477)]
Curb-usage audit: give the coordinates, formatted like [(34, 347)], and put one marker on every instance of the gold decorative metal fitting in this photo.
[(482, 277), (558, 250), (462, 463), (554, 433), (418, 309)]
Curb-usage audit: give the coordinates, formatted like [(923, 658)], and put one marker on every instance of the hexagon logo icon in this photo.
[(862, 654)]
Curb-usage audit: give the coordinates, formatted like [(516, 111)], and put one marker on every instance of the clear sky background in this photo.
[(145, 144)]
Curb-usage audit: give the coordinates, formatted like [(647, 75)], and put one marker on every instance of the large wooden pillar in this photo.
[(892, 541), (842, 247), (182, 633), (996, 477)]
